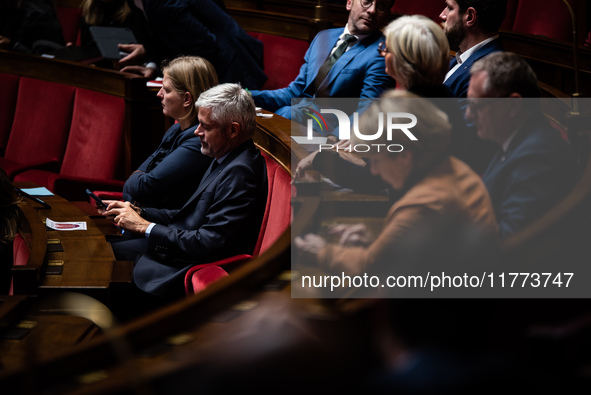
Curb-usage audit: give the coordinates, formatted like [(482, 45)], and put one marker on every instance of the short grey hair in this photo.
[(230, 103), (507, 73)]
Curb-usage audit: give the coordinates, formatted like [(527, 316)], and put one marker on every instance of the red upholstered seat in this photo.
[(93, 158), (510, 15), (69, 18), (551, 19), (429, 8), (276, 220), (20, 254), (40, 126), (8, 94), (283, 58)]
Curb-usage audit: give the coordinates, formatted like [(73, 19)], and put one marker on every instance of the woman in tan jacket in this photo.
[(432, 185)]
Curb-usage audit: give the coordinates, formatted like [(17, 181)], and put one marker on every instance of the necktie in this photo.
[(332, 59)]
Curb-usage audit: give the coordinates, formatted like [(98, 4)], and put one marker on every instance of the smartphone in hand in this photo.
[(99, 202)]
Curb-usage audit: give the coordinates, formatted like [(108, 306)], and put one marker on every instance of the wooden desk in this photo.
[(31, 335), (86, 255)]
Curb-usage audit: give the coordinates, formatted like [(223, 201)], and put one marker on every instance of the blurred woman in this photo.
[(172, 173), (416, 52), (9, 221), (431, 183), (114, 13)]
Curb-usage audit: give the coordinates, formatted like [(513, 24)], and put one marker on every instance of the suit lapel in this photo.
[(492, 46), (322, 49), (344, 60), (211, 174)]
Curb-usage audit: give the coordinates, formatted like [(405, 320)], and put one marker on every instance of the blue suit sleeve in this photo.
[(273, 100), (533, 189)]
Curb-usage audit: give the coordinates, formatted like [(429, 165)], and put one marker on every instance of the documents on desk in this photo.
[(41, 191), (65, 225)]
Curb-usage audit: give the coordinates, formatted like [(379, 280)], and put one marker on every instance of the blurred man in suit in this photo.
[(358, 73), (221, 219), (534, 167), (168, 29), (471, 27)]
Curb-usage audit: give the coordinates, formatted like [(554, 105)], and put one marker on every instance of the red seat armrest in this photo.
[(189, 276)]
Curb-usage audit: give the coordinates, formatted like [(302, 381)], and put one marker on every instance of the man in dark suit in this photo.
[(360, 71), (221, 219), (168, 29), (535, 167), (471, 27)]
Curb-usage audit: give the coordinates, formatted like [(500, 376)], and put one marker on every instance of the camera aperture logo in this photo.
[(315, 115), (344, 123)]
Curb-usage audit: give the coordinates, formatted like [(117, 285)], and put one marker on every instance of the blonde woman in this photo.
[(171, 174)]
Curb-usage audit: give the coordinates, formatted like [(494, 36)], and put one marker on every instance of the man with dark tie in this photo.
[(339, 63), (534, 167), (223, 216), (471, 27)]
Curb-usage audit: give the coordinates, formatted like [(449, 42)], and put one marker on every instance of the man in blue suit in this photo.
[(471, 27), (358, 73), (168, 29), (223, 216), (535, 167)]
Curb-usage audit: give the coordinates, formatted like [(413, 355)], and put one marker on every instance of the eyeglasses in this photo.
[(382, 49), (381, 7), (476, 105)]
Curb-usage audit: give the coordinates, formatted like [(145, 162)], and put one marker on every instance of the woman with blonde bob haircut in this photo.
[(417, 52), (417, 57), (172, 173), (431, 183)]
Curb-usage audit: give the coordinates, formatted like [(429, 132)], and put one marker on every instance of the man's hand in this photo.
[(305, 164), (352, 235), (126, 216), (147, 72), (310, 245), (137, 54)]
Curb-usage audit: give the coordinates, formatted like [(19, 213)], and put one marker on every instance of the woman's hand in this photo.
[(310, 245), (352, 235), (136, 54)]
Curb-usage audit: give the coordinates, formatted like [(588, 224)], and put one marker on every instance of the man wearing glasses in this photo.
[(534, 167), (339, 63)]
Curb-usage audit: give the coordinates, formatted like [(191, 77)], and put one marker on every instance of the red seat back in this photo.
[(429, 8), (69, 18), (551, 19), (276, 220), (283, 58), (8, 95), (41, 121), (20, 254), (96, 143), (278, 210), (510, 15)]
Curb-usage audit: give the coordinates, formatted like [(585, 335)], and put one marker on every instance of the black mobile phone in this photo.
[(98, 200)]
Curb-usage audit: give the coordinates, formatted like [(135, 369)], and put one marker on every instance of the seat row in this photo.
[(59, 136)]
